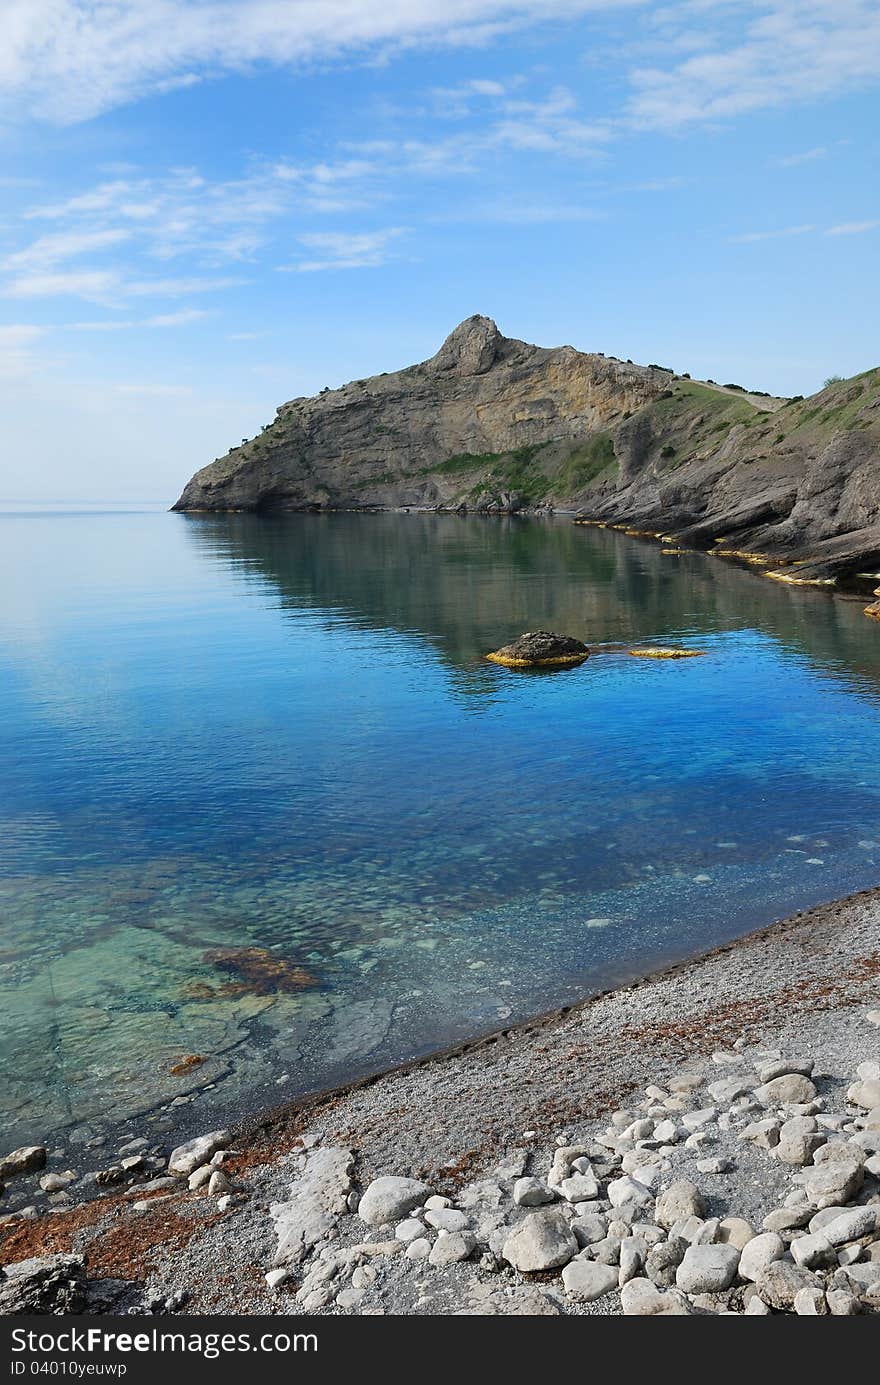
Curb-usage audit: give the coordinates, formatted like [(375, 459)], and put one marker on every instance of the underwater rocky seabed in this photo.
[(266, 804)]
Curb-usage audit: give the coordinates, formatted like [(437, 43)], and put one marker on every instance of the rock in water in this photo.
[(540, 649), (665, 652)]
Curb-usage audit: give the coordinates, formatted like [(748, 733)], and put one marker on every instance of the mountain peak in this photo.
[(470, 349)]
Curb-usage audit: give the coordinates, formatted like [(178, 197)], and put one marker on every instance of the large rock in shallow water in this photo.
[(540, 648)]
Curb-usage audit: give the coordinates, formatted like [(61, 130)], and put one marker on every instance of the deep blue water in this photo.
[(220, 733)]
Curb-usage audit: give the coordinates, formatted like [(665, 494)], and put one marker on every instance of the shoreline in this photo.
[(447, 1116)]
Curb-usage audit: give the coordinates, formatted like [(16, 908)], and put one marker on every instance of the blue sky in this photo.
[(212, 207)]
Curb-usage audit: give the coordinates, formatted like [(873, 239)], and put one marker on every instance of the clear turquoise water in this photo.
[(236, 732)]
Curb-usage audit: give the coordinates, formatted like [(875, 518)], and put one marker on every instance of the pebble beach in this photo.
[(706, 1140)]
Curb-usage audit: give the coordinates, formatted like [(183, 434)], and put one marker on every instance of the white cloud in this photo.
[(86, 283), (71, 59), (108, 286), (783, 52), (179, 319), (749, 236), (852, 228), (347, 249), (47, 251), (808, 155)]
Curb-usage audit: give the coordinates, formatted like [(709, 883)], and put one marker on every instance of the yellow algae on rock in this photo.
[(801, 581), (873, 611), (540, 649), (662, 652)]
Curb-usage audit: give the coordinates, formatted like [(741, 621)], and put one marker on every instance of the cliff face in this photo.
[(496, 425)]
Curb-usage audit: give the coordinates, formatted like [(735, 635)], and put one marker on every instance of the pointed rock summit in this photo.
[(470, 349), (494, 425)]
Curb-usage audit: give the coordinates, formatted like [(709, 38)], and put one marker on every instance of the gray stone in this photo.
[(663, 1260), (735, 1231), (409, 1230), (50, 1284), (841, 1303), (810, 1303), (531, 1192), (789, 1218), (727, 1089), (318, 1197), (589, 1229), (580, 1187), (632, 1257), (832, 1182), (586, 1280), (864, 1093), (707, 1269), (542, 1241), (812, 1251), (679, 1200), (452, 1248), (629, 1191), (27, 1159), (191, 1155), (763, 1133), (778, 1283), (389, 1199), (847, 1226), (772, 1068), (641, 1298), (717, 1165), (447, 1219), (760, 1252), (793, 1088), (419, 1249)]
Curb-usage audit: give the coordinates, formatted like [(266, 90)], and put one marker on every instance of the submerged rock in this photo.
[(664, 652), (539, 648)]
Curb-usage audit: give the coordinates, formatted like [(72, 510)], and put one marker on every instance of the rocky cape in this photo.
[(494, 425)]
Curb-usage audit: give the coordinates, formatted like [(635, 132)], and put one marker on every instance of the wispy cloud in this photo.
[(852, 228), (108, 286), (785, 52), (347, 249), (51, 250), (806, 156), (749, 236), (71, 59), (179, 319)]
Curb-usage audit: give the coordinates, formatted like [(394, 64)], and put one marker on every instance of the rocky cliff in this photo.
[(497, 425)]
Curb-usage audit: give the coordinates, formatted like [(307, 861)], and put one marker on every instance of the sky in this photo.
[(208, 207)]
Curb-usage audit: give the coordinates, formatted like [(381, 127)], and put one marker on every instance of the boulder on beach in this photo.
[(540, 648)]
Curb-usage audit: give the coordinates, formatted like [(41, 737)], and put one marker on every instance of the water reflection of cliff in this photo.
[(469, 584)]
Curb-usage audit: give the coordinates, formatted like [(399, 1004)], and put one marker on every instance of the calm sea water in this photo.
[(263, 802)]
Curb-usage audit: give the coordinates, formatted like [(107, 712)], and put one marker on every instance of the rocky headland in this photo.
[(705, 1141), (494, 425)]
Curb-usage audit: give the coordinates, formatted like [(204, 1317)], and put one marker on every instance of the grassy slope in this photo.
[(689, 424)]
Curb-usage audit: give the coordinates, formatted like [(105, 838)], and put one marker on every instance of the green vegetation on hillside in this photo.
[(585, 464)]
